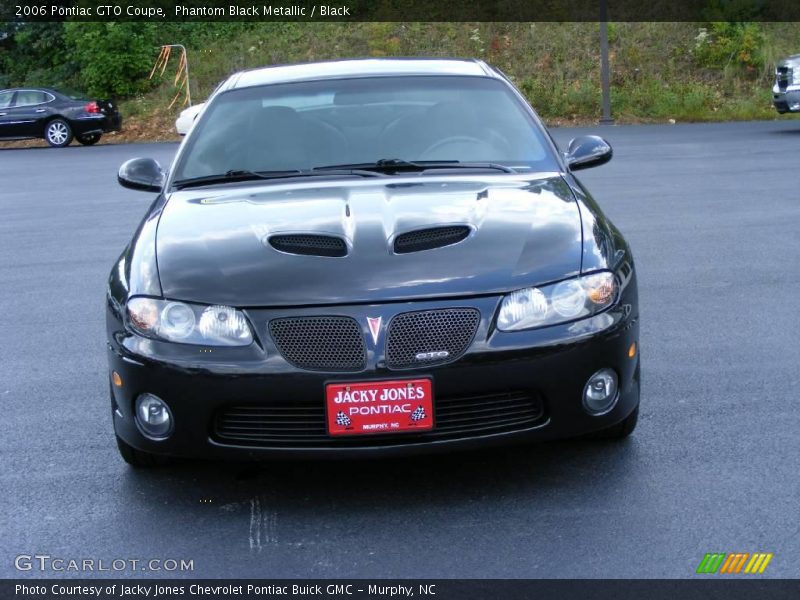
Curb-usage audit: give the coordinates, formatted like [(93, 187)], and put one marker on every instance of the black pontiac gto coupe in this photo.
[(369, 257)]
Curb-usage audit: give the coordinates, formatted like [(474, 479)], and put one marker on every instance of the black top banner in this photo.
[(399, 10)]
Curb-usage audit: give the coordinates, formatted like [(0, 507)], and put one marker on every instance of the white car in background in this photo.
[(186, 119), (786, 91)]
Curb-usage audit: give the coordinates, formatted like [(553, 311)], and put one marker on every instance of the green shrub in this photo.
[(115, 58), (721, 45)]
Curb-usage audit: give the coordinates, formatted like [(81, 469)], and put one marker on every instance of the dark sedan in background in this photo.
[(369, 257), (57, 116)]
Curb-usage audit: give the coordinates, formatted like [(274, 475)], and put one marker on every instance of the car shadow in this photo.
[(398, 484), (794, 131), (18, 148)]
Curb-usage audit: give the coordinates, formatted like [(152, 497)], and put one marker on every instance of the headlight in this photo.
[(566, 301), (189, 323)]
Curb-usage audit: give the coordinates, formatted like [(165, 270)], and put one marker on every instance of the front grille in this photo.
[(783, 76), (427, 239), (320, 343), (430, 332), (309, 244), (287, 425)]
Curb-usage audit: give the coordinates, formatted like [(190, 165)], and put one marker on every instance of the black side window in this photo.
[(5, 99), (29, 98)]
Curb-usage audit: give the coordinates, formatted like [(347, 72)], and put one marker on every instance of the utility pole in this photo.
[(605, 119)]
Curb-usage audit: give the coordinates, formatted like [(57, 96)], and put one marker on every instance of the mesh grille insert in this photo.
[(784, 75), (309, 244), (447, 330), (320, 343), (427, 239)]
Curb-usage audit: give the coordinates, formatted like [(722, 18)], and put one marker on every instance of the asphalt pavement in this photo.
[(712, 213)]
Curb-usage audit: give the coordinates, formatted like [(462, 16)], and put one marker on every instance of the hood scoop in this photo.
[(428, 239), (309, 244)]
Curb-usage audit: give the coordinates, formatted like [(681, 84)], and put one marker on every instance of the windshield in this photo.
[(301, 126)]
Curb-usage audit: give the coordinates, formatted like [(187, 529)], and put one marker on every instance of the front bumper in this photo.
[(548, 366), (786, 100)]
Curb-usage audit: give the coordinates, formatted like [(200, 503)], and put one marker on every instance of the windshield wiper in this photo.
[(232, 176), (399, 165), (379, 168), (235, 175)]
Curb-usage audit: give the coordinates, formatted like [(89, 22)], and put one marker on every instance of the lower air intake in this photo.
[(284, 424)]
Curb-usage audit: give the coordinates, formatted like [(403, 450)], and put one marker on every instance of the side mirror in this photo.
[(144, 174), (588, 151)]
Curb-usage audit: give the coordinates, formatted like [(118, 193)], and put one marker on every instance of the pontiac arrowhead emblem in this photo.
[(374, 328)]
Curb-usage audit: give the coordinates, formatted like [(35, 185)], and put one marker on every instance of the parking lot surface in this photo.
[(713, 215)]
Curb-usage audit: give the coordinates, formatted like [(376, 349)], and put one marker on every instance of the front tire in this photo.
[(139, 458), (58, 133), (621, 430), (89, 140)]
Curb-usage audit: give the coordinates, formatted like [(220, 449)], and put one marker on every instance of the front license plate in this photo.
[(379, 406)]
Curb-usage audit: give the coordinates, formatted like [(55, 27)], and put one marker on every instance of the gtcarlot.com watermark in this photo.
[(44, 563)]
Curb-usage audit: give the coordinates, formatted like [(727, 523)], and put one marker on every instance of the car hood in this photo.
[(789, 61), (213, 245)]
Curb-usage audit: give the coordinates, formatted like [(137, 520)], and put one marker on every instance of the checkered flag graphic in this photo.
[(342, 419), (418, 414)]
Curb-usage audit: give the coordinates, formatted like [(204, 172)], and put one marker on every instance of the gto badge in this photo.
[(438, 355), (374, 328)]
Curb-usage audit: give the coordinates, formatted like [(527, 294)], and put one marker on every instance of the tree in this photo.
[(34, 54), (114, 58)]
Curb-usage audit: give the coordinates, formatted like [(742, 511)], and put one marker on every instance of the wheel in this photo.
[(620, 430), (89, 140), (58, 133), (138, 458)]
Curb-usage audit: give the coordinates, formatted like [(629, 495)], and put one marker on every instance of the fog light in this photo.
[(153, 417), (600, 393)]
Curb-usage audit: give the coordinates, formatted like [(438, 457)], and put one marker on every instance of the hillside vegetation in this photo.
[(660, 71)]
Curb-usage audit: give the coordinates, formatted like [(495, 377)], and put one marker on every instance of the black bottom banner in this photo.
[(358, 589)]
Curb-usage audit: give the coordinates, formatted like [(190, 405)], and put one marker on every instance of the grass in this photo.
[(661, 72)]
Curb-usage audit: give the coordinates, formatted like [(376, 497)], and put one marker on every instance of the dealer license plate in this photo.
[(373, 407)]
